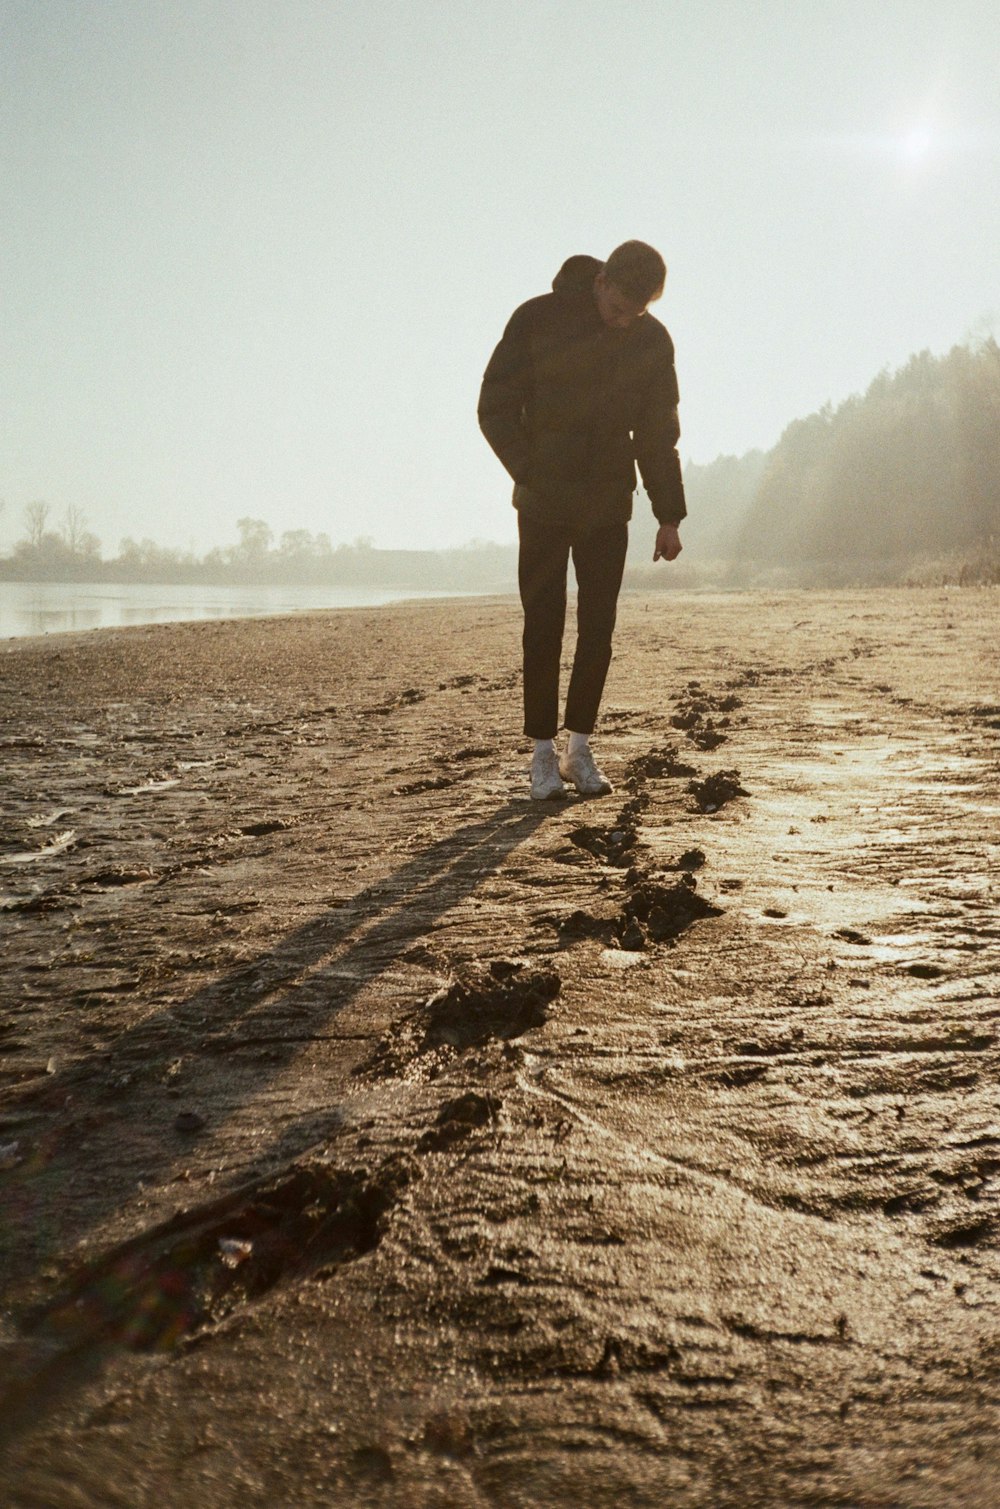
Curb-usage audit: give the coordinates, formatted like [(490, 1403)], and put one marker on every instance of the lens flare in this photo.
[(916, 145)]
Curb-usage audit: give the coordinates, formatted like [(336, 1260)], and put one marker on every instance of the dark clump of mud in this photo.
[(660, 913), (150, 1293), (691, 859), (499, 1002), (652, 912), (693, 716), (716, 790), (708, 737), (655, 766), (459, 1117), (614, 846), (496, 1003)]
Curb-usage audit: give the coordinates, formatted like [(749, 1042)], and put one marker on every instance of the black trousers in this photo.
[(599, 561)]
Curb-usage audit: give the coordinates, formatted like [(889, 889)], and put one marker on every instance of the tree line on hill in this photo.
[(898, 483), (901, 482), (69, 552)]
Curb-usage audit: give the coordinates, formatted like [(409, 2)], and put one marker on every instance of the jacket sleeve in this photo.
[(504, 395), (655, 437)]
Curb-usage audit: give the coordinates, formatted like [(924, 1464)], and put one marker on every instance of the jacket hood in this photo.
[(576, 276)]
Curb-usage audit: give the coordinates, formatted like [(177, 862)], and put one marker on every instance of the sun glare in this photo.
[(916, 145)]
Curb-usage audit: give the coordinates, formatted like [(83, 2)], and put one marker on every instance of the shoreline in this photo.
[(658, 597), (62, 600), (58, 607)]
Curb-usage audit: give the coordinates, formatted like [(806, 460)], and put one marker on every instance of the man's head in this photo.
[(631, 278)]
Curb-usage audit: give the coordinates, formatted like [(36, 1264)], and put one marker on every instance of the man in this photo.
[(581, 387)]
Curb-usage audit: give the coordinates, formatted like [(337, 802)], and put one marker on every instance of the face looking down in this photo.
[(613, 306)]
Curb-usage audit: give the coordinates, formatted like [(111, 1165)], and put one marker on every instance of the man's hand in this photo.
[(668, 543)]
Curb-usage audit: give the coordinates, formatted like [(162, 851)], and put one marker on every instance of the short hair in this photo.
[(637, 270)]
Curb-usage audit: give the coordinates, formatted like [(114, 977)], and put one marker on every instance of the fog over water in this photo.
[(257, 254), (28, 608)]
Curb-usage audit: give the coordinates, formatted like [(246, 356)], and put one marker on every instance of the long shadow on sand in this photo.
[(39, 1214)]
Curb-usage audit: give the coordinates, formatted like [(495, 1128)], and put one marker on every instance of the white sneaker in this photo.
[(582, 772), (546, 782)]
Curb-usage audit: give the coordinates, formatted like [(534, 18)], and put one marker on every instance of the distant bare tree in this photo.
[(36, 517), (73, 529)]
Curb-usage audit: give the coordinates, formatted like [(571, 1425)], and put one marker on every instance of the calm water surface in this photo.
[(55, 607)]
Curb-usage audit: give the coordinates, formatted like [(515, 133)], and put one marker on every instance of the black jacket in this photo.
[(570, 404)]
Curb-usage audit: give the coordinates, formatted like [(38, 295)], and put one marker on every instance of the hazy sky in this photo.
[(257, 252)]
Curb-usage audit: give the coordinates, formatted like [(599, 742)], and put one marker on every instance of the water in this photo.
[(55, 607)]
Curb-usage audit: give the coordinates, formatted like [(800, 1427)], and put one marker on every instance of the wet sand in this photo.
[(372, 1136)]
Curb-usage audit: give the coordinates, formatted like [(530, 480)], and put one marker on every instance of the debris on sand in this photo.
[(691, 859), (612, 845), (10, 1155), (234, 1251), (188, 1121), (692, 717), (583, 924), (149, 1293), (476, 1008), (459, 1117), (655, 765), (716, 790), (498, 1002), (149, 786), (60, 843), (660, 912), (615, 844), (427, 783), (707, 737), (265, 826), (120, 876), (47, 820), (654, 911)]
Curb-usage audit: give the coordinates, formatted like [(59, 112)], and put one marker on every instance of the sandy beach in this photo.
[(370, 1135)]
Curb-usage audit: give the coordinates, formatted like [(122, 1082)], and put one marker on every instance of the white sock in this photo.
[(544, 746), (578, 743)]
